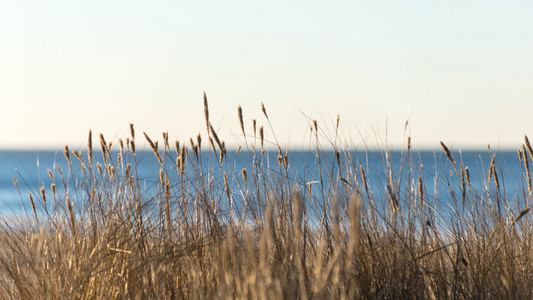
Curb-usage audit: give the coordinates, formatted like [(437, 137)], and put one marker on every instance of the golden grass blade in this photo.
[(71, 214), (463, 185), (528, 172), (226, 186), (420, 192)]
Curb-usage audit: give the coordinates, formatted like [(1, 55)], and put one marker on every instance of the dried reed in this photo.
[(450, 157), (234, 229)]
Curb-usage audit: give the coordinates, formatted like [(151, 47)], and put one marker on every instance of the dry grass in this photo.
[(257, 233)]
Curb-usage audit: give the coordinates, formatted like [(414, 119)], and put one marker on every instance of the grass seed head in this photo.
[(132, 131), (177, 146), (215, 136), (206, 108), (90, 148), (165, 140), (226, 185), (43, 195), (33, 207), (420, 192), (67, 155), (521, 214), (449, 155), (528, 145), (254, 126), (241, 121), (155, 148), (245, 176), (467, 173), (264, 110), (261, 136), (199, 141), (526, 165)]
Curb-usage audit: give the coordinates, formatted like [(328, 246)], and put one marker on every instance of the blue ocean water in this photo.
[(30, 169)]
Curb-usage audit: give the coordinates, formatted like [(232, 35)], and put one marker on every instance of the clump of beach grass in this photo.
[(205, 229)]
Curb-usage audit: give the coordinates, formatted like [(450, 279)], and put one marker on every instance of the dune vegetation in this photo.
[(210, 230)]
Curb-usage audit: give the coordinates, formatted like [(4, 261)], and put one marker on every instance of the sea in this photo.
[(442, 180)]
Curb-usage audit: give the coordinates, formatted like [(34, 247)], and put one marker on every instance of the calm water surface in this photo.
[(30, 170)]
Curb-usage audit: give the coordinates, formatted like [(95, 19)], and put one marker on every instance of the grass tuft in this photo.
[(215, 225)]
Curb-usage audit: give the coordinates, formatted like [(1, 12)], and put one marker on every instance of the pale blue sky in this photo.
[(461, 71)]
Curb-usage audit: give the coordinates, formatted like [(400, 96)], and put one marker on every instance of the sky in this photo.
[(460, 71)]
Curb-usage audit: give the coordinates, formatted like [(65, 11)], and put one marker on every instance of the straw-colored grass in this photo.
[(207, 230)]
